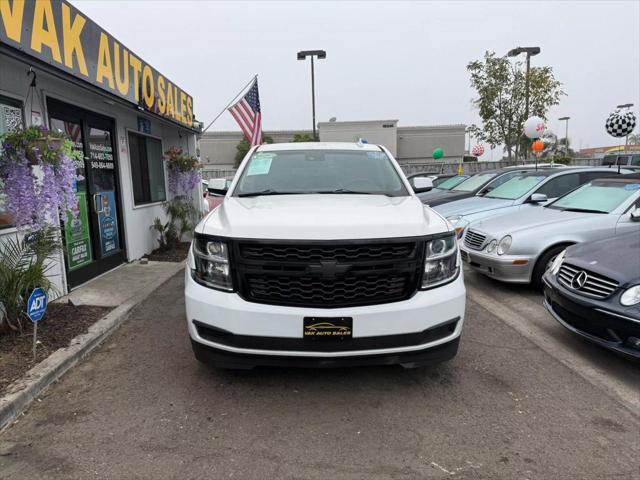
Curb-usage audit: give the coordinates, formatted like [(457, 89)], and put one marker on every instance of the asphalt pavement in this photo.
[(522, 400)]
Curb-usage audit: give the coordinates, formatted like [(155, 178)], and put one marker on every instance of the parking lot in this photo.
[(523, 399)]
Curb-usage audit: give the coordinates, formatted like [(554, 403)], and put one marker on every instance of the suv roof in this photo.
[(272, 147)]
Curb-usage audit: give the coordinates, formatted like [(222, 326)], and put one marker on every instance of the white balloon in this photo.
[(534, 127)]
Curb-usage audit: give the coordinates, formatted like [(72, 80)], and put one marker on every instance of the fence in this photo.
[(432, 167)]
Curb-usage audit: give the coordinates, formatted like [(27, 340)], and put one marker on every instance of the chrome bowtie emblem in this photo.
[(579, 279)]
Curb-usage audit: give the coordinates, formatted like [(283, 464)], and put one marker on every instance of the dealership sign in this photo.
[(59, 34)]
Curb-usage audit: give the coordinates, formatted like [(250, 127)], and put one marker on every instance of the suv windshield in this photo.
[(319, 171), (516, 187), (450, 182), (599, 196), (474, 182)]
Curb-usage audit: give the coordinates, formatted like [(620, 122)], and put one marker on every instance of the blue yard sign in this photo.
[(37, 305)]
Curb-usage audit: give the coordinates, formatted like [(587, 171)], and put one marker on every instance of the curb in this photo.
[(26, 389)]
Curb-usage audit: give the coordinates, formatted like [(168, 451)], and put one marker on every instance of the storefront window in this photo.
[(147, 169), (10, 121)]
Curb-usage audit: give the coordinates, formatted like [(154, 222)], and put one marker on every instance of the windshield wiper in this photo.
[(584, 210), (270, 191), (348, 192)]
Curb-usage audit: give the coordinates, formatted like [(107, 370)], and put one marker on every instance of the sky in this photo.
[(385, 59)]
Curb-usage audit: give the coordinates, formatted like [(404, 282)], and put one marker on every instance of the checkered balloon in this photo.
[(477, 150), (620, 124)]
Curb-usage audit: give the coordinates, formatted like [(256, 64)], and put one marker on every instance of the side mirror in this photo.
[(538, 198), (422, 184), (635, 214), (217, 185)]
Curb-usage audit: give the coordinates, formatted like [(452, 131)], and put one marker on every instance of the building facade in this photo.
[(61, 70), (408, 144)]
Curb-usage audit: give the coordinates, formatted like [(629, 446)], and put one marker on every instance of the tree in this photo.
[(634, 139), (243, 147), (500, 87), (302, 137)]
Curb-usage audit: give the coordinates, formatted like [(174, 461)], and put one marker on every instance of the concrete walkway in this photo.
[(119, 285)]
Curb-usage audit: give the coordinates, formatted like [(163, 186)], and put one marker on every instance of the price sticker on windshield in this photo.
[(260, 164)]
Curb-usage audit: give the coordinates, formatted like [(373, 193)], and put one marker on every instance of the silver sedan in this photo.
[(518, 247)]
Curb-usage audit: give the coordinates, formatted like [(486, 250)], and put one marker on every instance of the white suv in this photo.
[(321, 255)]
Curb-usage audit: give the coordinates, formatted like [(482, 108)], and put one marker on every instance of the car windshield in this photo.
[(474, 182), (516, 187), (320, 171), (599, 196), (449, 183)]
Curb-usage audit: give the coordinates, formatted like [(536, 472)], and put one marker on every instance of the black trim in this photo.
[(223, 359), (224, 337)]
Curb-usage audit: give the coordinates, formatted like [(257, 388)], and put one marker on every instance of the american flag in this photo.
[(246, 112)]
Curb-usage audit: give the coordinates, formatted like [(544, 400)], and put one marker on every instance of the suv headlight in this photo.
[(504, 245), (212, 263), (631, 296), (441, 261), (554, 268)]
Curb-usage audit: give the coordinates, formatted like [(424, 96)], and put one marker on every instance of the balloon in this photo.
[(477, 150), (537, 146), (534, 127), (438, 153), (620, 124)]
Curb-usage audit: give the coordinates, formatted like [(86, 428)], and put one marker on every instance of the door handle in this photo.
[(95, 206)]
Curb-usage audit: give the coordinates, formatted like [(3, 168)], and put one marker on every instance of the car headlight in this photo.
[(554, 268), (504, 245), (491, 247), (212, 263), (631, 296), (441, 261)]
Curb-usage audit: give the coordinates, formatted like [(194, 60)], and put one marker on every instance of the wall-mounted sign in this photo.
[(76, 232), (144, 125), (59, 34), (107, 223)]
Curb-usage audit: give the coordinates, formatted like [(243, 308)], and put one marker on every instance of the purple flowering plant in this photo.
[(37, 174), (184, 172)]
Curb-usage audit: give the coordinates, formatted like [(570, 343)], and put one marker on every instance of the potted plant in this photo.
[(184, 172), (37, 174)]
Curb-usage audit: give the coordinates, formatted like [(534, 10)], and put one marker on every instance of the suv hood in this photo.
[(472, 205), (322, 217)]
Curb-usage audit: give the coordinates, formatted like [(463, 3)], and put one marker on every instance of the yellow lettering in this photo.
[(104, 69), (137, 68), (176, 112), (71, 39), (183, 106), (12, 18), (162, 97), (122, 81), (190, 111), (170, 100), (45, 36), (147, 86)]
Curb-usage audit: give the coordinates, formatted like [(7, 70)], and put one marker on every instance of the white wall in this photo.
[(379, 132), (138, 239)]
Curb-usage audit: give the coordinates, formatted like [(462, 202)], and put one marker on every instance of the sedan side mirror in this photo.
[(422, 184), (538, 198), (217, 185)]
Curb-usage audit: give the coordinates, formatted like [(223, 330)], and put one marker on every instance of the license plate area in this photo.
[(327, 328)]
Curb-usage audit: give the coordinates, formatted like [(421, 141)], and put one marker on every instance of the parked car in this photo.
[(216, 190), (478, 184), (327, 234), (519, 248), (631, 158), (439, 180), (522, 192), (593, 289)]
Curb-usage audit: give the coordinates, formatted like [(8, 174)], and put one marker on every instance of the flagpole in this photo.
[(231, 102)]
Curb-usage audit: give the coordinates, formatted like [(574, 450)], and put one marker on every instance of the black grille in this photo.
[(595, 285), (328, 274)]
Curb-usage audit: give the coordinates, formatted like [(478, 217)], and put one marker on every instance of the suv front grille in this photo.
[(327, 274), (473, 239), (592, 285)]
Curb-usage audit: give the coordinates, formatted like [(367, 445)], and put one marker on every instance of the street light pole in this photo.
[(530, 51), (566, 135), (321, 54)]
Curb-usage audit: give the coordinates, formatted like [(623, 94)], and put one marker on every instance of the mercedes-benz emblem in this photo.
[(579, 279)]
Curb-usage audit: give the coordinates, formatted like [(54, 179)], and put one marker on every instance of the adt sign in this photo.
[(37, 305)]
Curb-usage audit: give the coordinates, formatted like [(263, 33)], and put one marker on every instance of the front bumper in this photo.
[(225, 328), (591, 319), (499, 267)]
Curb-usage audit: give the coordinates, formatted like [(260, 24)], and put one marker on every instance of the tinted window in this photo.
[(147, 169), (474, 182), (558, 186), (320, 171), (635, 160)]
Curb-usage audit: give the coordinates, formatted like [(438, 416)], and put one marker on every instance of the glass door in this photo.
[(92, 238)]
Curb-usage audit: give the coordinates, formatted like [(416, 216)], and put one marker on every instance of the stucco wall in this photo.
[(416, 144), (380, 132)]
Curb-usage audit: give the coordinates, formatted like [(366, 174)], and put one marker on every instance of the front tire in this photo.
[(543, 263)]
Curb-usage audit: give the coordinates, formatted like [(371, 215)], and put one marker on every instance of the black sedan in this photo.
[(593, 289), (477, 184)]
